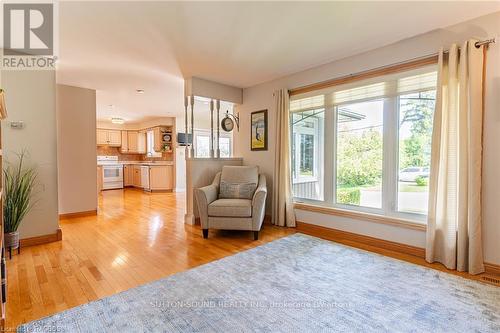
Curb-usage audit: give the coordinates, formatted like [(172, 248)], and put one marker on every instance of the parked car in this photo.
[(410, 174)]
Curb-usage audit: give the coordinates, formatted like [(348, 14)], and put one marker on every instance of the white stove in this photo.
[(112, 172)]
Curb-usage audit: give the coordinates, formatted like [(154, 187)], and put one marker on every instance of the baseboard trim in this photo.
[(346, 237), (492, 269), (78, 214), (44, 239)]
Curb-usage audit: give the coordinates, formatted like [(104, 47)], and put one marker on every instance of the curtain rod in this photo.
[(485, 42), (385, 69)]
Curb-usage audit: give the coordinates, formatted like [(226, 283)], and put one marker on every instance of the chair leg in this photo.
[(205, 233), (255, 235)]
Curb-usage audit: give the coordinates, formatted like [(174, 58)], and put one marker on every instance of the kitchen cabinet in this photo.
[(128, 175), (102, 137), (132, 137), (109, 137), (124, 146), (115, 138), (161, 145), (137, 175), (136, 142), (161, 177)]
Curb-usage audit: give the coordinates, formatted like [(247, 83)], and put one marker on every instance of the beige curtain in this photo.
[(454, 219), (283, 212), (3, 109)]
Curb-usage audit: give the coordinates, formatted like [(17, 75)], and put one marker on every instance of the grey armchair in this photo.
[(240, 205)]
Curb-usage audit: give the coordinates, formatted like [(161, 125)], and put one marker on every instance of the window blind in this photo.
[(421, 79)]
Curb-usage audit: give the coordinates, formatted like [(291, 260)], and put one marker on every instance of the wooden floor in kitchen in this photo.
[(136, 238)]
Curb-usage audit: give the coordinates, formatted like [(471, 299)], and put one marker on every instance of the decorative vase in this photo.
[(11, 240)]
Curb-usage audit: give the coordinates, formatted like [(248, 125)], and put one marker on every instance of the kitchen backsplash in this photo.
[(115, 151)]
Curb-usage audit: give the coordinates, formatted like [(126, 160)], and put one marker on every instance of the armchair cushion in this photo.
[(230, 208), (236, 190)]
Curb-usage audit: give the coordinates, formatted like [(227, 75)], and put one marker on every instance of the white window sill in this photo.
[(361, 216)]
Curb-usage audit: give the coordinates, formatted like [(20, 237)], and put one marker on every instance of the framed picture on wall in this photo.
[(258, 130)]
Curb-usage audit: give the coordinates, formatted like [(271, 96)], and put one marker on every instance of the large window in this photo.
[(366, 146)]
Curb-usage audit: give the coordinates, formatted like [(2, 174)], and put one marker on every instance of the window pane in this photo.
[(416, 113), (225, 147), (307, 154), (360, 153), (202, 146)]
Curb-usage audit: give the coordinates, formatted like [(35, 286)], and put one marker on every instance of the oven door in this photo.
[(112, 173)]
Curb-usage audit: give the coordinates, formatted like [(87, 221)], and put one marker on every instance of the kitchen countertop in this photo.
[(148, 163)]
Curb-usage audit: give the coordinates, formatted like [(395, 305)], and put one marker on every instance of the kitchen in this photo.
[(138, 156)]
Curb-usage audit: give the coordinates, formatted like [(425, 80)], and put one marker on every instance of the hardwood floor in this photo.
[(136, 238)]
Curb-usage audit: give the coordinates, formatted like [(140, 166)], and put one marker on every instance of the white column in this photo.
[(186, 133), (211, 128), (192, 127), (218, 129)]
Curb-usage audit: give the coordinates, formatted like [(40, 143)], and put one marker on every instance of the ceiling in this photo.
[(118, 47)]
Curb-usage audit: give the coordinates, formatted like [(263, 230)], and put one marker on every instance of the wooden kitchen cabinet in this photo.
[(102, 137), (132, 137), (137, 176), (136, 142), (141, 143), (128, 175), (124, 146), (161, 177), (158, 139), (115, 138), (109, 137)]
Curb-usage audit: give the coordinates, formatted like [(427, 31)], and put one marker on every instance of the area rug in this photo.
[(295, 284)]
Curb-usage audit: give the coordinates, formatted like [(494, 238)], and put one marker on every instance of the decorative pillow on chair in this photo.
[(236, 190)]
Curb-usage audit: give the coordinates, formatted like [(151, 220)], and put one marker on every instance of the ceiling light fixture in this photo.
[(140, 91), (119, 121)]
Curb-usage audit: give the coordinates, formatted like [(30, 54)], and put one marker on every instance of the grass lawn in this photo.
[(412, 187)]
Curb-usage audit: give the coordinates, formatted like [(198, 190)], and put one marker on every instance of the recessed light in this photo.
[(139, 91), (119, 121)]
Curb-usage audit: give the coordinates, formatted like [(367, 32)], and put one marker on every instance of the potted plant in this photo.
[(19, 182)]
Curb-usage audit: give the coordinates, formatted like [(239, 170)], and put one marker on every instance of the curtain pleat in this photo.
[(283, 212), (454, 218)]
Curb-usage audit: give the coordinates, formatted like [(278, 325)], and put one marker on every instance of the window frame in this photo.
[(390, 163), (150, 145), (319, 130), (315, 133)]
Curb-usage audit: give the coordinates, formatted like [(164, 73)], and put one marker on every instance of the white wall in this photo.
[(76, 142), (31, 97), (195, 86), (261, 97)]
